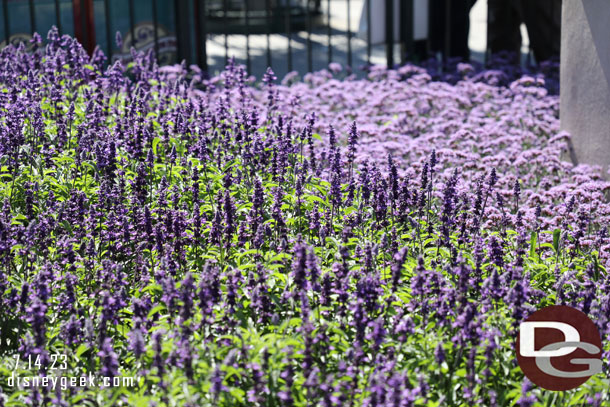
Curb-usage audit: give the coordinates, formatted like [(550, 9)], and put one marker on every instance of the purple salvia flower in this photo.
[(399, 260), (108, 359)]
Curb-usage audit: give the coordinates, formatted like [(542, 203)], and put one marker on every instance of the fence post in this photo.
[(7, 31), (406, 29), (183, 32), (84, 24), (109, 34), (155, 28), (90, 26), (201, 34), (58, 16), (247, 29), (329, 34), (32, 16), (268, 31), (132, 24), (389, 32), (287, 6), (349, 35), (78, 24), (447, 50), (309, 51), (368, 32)]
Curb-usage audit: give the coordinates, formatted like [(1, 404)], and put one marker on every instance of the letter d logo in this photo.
[(559, 348)]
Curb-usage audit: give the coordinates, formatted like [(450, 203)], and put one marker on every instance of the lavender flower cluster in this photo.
[(474, 124), (329, 243)]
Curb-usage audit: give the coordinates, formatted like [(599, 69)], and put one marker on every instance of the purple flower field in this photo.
[(324, 241), (474, 125)]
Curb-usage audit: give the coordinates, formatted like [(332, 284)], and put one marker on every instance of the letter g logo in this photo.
[(559, 348)]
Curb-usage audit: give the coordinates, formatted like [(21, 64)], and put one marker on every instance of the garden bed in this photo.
[(220, 244)]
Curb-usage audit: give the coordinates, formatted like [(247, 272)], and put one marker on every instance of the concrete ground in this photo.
[(339, 25)]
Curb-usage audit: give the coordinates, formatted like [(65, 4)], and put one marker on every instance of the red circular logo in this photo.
[(559, 348)]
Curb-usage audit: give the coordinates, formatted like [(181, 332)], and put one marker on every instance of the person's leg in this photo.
[(503, 33), (460, 26), (543, 21), (317, 5), (459, 18), (436, 25)]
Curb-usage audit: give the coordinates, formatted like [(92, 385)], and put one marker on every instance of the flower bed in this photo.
[(473, 125), (222, 246)]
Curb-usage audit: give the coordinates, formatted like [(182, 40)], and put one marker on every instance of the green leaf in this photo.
[(19, 219), (238, 394), (533, 241), (155, 142), (81, 349), (156, 310), (556, 237)]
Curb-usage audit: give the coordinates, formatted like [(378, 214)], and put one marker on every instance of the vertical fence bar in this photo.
[(7, 31), (329, 33), (268, 17), (553, 31), (309, 54), (288, 33), (197, 19), (201, 34), (78, 23), (204, 35), (447, 52), (58, 16), (155, 28), (487, 49), (177, 19), (389, 32), (84, 27), (225, 19), (247, 27), (183, 30), (108, 33), (32, 16), (406, 29), (349, 35), (368, 32), (402, 30), (132, 23), (89, 24)]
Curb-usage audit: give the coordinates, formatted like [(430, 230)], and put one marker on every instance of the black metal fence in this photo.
[(288, 17), (185, 29)]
